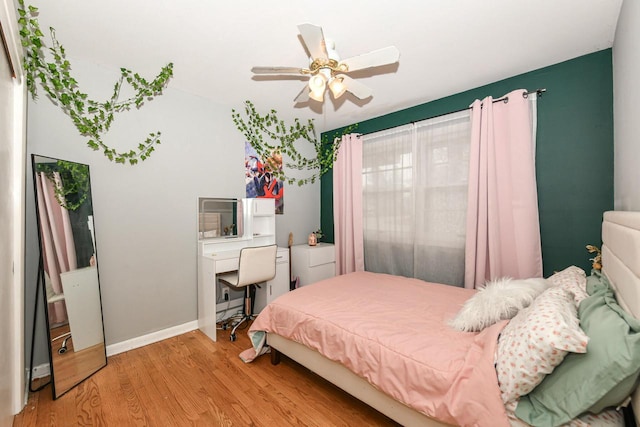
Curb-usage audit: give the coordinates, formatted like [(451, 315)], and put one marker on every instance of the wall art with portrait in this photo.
[(260, 180)]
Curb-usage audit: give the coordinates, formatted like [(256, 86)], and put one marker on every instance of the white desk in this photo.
[(221, 262), (220, 255)]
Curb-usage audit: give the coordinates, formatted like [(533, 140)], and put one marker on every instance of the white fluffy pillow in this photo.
[(498, 300)]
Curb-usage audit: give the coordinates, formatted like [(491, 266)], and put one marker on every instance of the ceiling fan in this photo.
[(327, 70)]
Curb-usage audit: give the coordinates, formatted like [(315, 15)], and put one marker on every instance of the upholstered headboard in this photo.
[(621, 265)]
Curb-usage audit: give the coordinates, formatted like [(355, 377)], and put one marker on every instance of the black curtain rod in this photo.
[(539, 92)]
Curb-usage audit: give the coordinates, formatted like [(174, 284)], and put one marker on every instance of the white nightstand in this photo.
[(313, 263)]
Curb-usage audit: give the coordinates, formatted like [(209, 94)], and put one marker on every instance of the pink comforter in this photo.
[(392, 331)]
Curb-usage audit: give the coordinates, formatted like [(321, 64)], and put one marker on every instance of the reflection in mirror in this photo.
[(219, 217), (69, 271)]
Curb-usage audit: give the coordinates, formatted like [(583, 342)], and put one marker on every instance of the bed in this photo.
[(295, 325)]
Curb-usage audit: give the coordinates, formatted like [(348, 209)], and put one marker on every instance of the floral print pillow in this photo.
[(536, 340), (573, 279)]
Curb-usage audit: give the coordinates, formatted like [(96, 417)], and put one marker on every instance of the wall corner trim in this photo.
[(151, 338)]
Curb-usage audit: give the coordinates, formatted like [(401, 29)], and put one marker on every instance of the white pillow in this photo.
[(498, 300), (536, 340)]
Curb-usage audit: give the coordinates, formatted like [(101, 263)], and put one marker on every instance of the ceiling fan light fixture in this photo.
[(337, 87), (317, 86), (317, 95), (327, 69), (317, 83)]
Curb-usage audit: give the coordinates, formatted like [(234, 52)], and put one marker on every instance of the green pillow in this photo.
[(597, 283), (602, 377)]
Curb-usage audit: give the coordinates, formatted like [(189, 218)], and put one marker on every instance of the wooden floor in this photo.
[(73, 366), (190, 380)]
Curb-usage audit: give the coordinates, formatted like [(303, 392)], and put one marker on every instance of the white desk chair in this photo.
[(256, 265)]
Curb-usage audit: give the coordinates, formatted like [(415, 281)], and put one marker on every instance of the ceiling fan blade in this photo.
[(303, 96), (355, 87), (276, 70), (376, 58), (314, 40)]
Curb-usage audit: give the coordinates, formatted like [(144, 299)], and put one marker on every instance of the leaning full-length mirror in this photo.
[(69, 271)]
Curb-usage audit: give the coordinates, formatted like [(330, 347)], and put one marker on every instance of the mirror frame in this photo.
[(92, 357)]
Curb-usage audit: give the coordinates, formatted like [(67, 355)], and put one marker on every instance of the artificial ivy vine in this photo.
[(91, 118), (72, 189), (269, 135)]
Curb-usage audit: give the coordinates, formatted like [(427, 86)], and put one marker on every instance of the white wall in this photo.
[(626, 105), (12, 155), (145, 215)]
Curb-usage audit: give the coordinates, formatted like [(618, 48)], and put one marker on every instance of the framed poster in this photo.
[(260, 180)]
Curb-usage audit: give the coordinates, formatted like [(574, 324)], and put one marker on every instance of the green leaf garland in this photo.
[(269, 135), (91, 118), (73, 187)]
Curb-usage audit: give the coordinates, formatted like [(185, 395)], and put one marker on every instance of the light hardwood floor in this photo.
[(190, 380), (73, 366)]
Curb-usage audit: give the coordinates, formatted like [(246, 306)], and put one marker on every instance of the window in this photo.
[(415, 198)]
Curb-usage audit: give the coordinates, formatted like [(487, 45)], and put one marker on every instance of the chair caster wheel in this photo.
[(232, 337), (63, 349)]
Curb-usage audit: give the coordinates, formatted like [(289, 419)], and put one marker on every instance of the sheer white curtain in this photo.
[(414, 199), (442, 172), (387, 201)]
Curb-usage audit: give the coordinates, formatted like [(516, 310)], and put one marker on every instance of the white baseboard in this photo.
[(143, 340), (25, 398), (39, 371)]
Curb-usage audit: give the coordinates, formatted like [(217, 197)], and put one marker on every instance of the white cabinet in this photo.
[(263, 207), (260, 220), (279, 285), (313, 263)]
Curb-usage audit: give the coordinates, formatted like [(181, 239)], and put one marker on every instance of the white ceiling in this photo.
[(445, 47)]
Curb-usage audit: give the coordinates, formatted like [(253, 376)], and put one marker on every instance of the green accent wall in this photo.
[(574, 154)]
